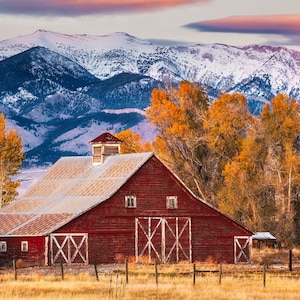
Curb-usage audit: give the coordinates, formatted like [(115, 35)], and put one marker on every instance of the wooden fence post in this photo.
[(96, 271), (220, 274), (110, 287), (62, 269), (156, 273), (264, 271), (126, 269), (194, 274), (15, 269), (291, 260)]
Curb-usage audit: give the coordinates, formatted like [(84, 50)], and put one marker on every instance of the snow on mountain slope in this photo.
[(75, 86), (92, 52), (216, 66)]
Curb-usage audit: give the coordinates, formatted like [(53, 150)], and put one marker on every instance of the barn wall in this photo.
[(34, 256), (111, 226)]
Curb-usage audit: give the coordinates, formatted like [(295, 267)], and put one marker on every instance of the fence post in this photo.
[(220, 274), (291, 260), (194, 274), (62, 269), (15, 269), (156, 272), (96, 271), (264, 271), (126, 269)]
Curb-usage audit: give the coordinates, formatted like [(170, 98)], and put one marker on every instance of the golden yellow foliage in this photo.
[(11, 158), (227, 122), (178, 115), (132, 142)]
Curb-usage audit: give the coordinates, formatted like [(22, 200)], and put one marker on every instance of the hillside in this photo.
[(60, 91)]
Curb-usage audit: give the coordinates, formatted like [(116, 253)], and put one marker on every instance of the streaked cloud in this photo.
[(85, 7), (275, 24)]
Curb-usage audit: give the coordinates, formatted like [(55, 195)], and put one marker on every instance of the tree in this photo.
[(11, 159), (262, 181), (281, 127), (227, 122), (246, 194), (178, 115), (132, 142)]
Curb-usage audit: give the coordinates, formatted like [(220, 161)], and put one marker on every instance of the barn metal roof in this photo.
[(72, 186), (263, 236)]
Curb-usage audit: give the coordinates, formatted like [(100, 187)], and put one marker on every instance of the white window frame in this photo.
[(130, 201), (172, 202), (3, 246), (24, 246)]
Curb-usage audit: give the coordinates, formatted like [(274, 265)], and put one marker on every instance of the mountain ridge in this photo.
[(50, 81)]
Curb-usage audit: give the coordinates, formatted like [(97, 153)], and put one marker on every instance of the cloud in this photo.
[(85, 7), (275, 24)]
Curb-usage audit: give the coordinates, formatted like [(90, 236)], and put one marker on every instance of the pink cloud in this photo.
[(276, 24), (82, 7)]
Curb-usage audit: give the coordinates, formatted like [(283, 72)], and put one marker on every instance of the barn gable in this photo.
[(129, 204)]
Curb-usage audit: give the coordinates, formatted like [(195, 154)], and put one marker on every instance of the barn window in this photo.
[(24, 246), (172, 202), (130, 201), (3, 247)]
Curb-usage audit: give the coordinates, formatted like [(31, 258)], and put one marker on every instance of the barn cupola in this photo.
[(103, 146)]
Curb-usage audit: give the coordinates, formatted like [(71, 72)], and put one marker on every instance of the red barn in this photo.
[(93, 209)]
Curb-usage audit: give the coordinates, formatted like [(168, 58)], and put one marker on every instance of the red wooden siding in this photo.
[(35, 256)]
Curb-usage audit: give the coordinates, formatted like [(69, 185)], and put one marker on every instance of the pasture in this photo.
[(173, 281)]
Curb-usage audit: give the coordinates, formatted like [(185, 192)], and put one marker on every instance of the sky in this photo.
[(177, 22)]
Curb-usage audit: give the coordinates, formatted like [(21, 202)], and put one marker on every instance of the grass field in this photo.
[(174, 282), (144, 287)]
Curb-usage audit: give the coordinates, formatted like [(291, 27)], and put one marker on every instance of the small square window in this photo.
[(3, 247), (130, 201), (172, 202), (24, 246)]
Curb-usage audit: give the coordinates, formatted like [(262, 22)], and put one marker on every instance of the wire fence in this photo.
[(130, 271)]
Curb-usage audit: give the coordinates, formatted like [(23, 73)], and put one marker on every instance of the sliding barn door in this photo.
[(69, 248), (163, 239)]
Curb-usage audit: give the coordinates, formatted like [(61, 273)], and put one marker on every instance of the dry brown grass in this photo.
[(174, 282), (144, 287), (271, 256)]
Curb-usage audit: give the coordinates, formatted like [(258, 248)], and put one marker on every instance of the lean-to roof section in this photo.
[(71, 187)]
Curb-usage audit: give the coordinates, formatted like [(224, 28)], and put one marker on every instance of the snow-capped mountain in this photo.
[(59, 91)]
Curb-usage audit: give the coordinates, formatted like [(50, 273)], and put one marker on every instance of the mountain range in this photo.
[(60, 91)]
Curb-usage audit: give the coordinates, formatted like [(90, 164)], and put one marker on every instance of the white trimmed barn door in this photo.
[(69, 248), (163, 239), (242, 248)]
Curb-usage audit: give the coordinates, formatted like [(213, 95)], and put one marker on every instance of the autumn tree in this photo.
[(227, 122), (132, 142), (178, 115), (246, 194), (261, 182), (281, 127), (11, 159)]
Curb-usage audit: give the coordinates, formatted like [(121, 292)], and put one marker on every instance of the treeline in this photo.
[(248, 166)]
